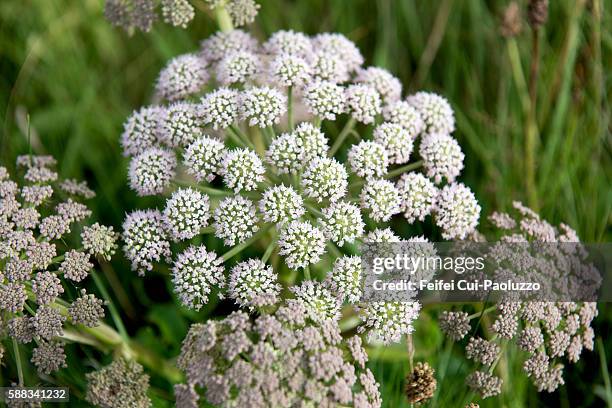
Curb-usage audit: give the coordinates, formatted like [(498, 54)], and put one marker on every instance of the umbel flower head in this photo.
[(142, 14), (297, 145), (551, 333), (39, 267), (119, 384), (279, 359)]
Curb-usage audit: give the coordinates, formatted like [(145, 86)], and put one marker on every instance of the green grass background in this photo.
[(77, 78)]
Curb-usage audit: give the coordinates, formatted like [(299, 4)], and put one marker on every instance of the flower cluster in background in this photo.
[(547, 332), (140, 15), (294, 149), (281, 359), (38, 268)]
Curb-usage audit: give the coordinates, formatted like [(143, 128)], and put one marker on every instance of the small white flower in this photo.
[(286, 154), (288, 42), (145, 239), (388, 86), (338, 44), (342, 222), (418, 196), (203, 158), (381, 198), (387, 322), (179, 125), (151, 171), (222, 43), (254, 284), (220, 108), (262, 106), (238, 67), (235, 220), (435, 111), (290, 70), (325, 178), (442, 157), (140, 130), (182, 77), (457, 211), (368, 159), (325, 99), (345, 278), (405, 115), (320, 304), (363, 103), (329, 67), (281, 204), (194, 273), (242, 169), (186, 213), (301, 244), (396, 140), (382, 236), (314, 142)]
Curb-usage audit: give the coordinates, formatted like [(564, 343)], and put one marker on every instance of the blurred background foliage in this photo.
[(75, 78)]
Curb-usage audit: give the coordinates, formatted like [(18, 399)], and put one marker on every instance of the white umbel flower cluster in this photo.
[(235, 220), (151, 171), (325, 179), (186, 213), (442, 157), (220, 108), (396, 140), (242, 169), (301, 244), (368, 159), (203, 158), (457, 211), (281, 204), (389, 321), (291, 144), (194, 273), (342, 222), (418, 196), (381, 198), (263, 106), (435, 111), (183, 76), (253, 284)]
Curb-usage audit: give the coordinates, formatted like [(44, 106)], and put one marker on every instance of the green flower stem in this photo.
[(334, 249), (531, 130), (290, 107), (241, 136), (269, 250), (224, 20), (111, 306), (18, 362), (343, 134), (404, 169), (314, 210), (240, 247), (208, 190), (307, 272), (317, 122), (482, 313)]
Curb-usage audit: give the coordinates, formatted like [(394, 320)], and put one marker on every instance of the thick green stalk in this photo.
[(531, 130), (240, 247), (342, 136), (18, 362), (111, 306), (401, 170), (290, 107), (224, 20)]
